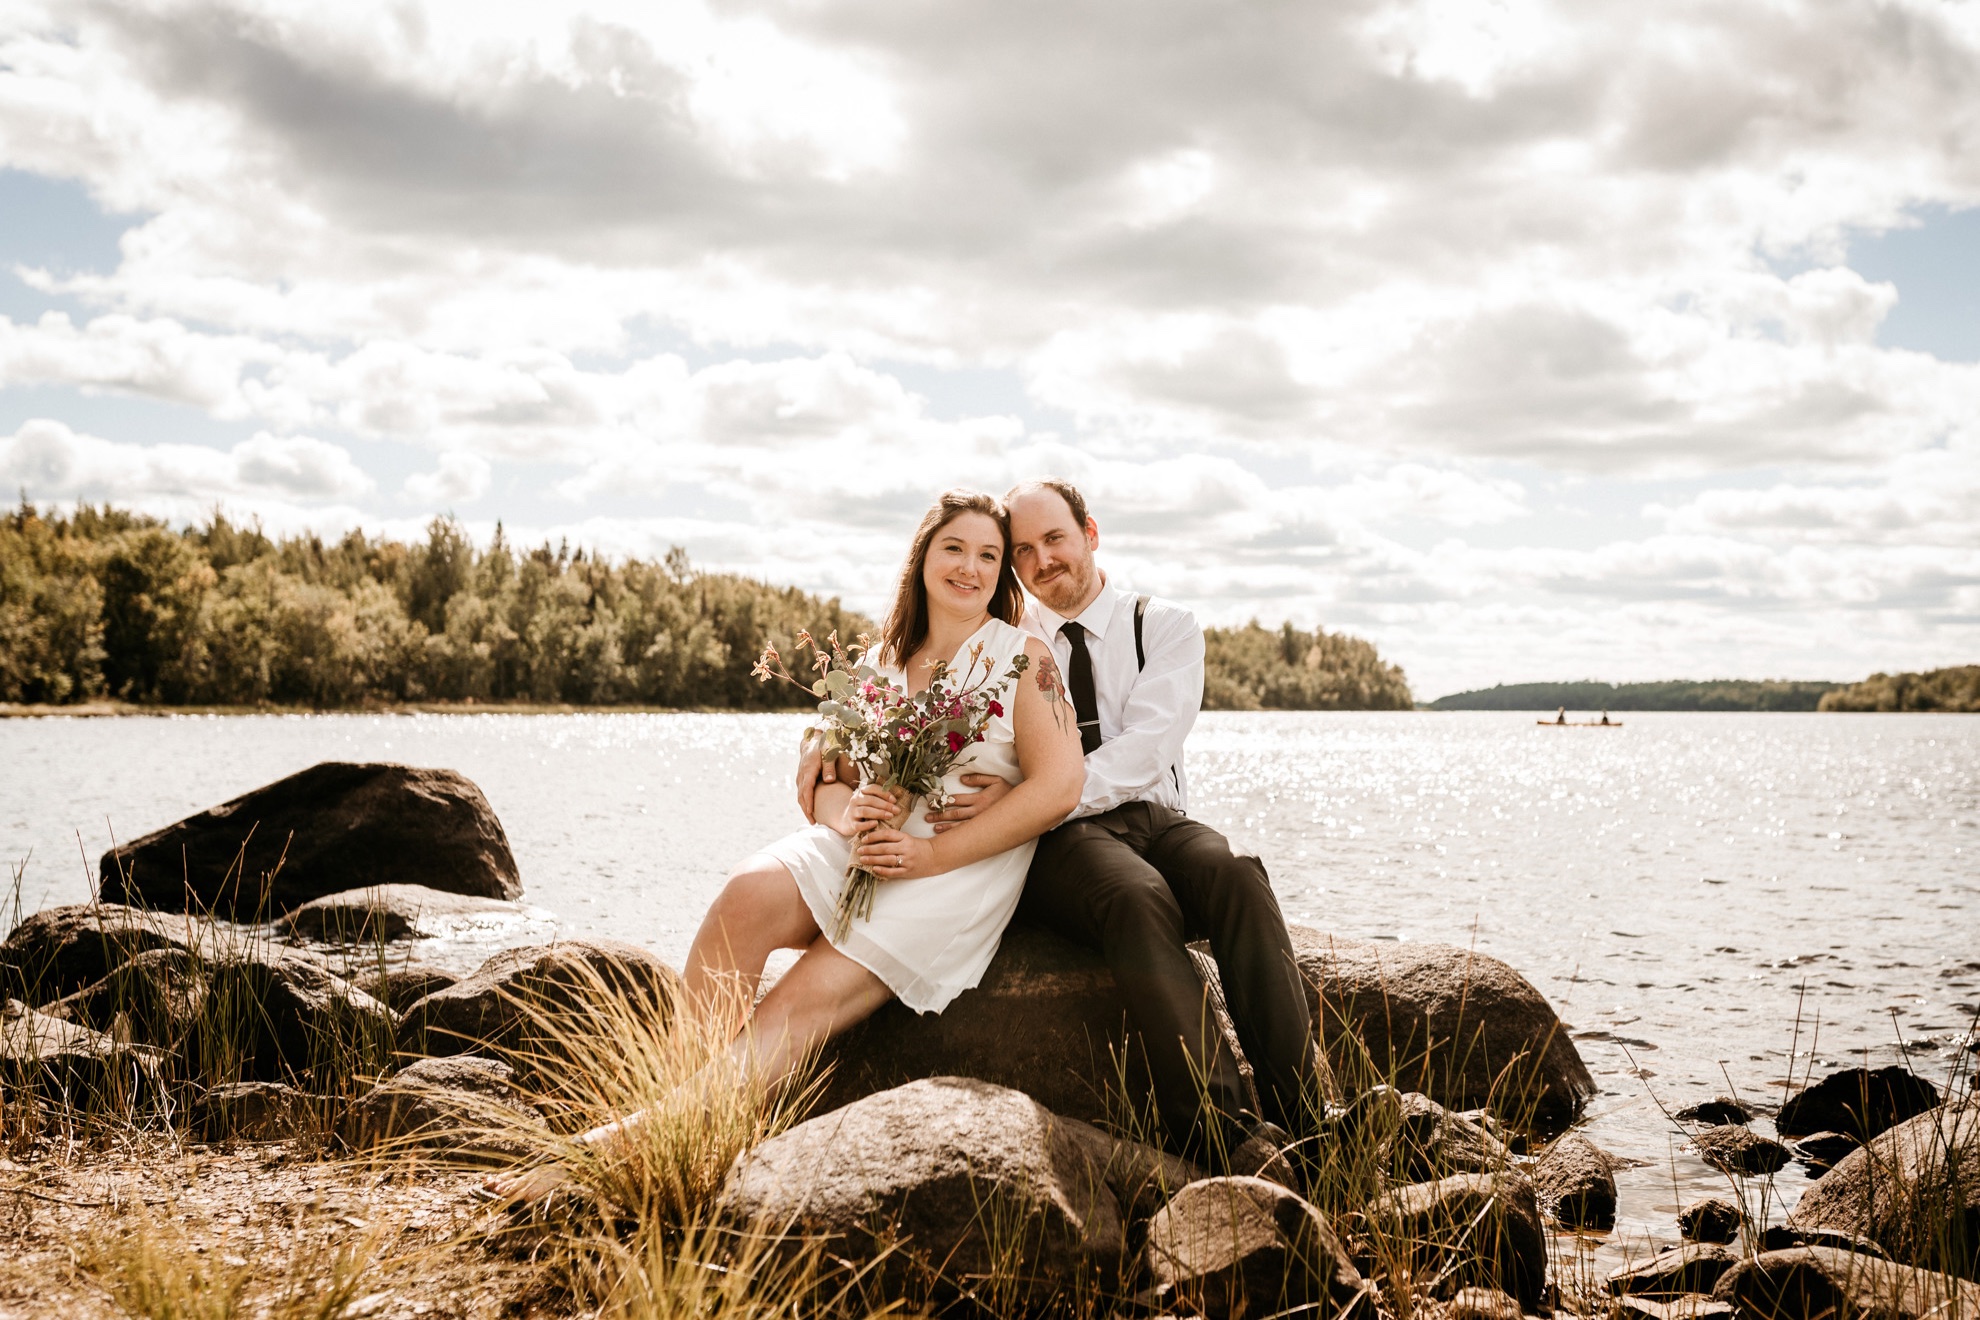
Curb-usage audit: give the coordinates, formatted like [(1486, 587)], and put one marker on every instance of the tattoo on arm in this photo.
[(1054, 689)]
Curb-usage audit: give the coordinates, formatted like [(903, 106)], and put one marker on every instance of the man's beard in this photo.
[(1063, 591)]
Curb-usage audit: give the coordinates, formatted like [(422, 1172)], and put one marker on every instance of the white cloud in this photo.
[(1334, 307)]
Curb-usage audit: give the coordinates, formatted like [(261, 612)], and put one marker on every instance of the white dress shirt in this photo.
[(1146, 713)]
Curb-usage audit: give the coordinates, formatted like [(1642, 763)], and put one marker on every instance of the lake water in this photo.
[(1683, 888)]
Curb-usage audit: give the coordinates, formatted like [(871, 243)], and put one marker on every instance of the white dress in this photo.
[(931, 938)]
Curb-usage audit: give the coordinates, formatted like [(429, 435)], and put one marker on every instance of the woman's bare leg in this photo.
[(758, 912)]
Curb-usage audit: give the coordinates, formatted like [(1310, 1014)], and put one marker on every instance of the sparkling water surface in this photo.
[(1713, 902)]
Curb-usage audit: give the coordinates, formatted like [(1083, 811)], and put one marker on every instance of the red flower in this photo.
[(996, 709), (955, 741)]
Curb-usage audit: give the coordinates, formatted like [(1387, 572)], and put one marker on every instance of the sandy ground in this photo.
[(272, 1212)]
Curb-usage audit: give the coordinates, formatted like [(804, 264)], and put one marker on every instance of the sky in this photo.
[(1530, 341)]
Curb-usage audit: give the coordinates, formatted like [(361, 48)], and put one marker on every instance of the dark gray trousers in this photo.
[(1135, 884)]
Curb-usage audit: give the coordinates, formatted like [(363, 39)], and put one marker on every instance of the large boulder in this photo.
[(1431, 1142), (1825, 1281), (964, 1179), (332, 827), (399, 912), (1246, 1247), (1914, 1190), (1471, 1229), (1463, 1028), (1047, 1019), (59, 950), (527, 1004), (1857, 1102), (1691, 1268), (1731, 1148), (252, 1012), (67, 1063)]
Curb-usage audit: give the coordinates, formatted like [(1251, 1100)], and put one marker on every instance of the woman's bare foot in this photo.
[(526, 1186)]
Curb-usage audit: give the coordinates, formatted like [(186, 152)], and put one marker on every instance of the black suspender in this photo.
[(1140, 654)]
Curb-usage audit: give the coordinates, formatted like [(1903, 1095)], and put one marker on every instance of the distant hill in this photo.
[(1673, 694), (1285, 668), (1955, 689)]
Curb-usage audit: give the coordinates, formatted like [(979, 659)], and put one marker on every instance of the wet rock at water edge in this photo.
[(1717, 1111), (1692, 1268), (1246, 1246), (398, 912), (465, 1105), (1463, 1028), (1821, 1151), (1824, 1281), (1482, 1304), (941, 1170), (60, 950), (1734, 1149), (256, 1012), (333, 827), (1858, 1102), (1479, 1229), (1714, 1219), (257, 1111), (538, 1003), (66, 1063), (1913, 1190), (1576, 1183)]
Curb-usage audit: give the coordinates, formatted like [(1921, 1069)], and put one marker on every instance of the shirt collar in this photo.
[(1094, 618)]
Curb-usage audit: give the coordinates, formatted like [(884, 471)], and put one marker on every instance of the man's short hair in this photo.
[(1063, 489)]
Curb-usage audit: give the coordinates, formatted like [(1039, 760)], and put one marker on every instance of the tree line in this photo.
[(1955, 689), (102, 602), (1675, 694)]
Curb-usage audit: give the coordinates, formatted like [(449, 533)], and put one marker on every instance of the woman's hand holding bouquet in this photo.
[(903, 742)]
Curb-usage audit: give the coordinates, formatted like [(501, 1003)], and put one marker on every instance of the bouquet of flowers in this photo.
[(898, 739)]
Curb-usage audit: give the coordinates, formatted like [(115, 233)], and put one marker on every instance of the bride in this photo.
[(944, 899)]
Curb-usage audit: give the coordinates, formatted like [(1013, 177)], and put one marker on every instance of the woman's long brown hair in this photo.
[(907, 624)]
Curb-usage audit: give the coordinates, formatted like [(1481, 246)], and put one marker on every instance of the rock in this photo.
[(1431, 1142), (396, 912), (59, 950), (1914, 1190), (1470, 1229), (1463, 1028), (517, 1003), (1576, 1183), (1821, 1151), (1782, 1236), (254, 1012), (1245, 1246), (1692, 1268), (399, 985), (1717, 1111), (960, 1173), (1142, 1178), (1859, 1102), (66, 1063), (1684, 1306), (1482, 1304), (257, 1111), (1046, 1019), (465, 1105), (1824, 1281), (333, 827), (1734, 1149), (1713, 1219)]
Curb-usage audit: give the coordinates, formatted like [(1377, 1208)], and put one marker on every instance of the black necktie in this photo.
[(1079, 679)]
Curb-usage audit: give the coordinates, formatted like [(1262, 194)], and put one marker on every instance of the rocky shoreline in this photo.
[(252, 976)]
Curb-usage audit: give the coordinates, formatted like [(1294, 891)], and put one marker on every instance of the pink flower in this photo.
[(955, 742), (906, 734), (996, 709)]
